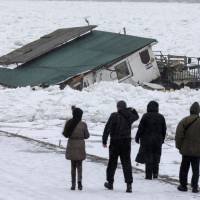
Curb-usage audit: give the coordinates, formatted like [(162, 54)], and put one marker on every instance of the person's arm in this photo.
[(107, 130), (134, 115), (86, 132), (65, 133), (179, 135), (141, 129)]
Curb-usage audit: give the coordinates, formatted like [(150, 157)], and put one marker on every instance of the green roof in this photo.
[(82, 54)]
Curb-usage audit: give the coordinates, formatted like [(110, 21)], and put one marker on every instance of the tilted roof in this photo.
[(90, 51), (44, 45)]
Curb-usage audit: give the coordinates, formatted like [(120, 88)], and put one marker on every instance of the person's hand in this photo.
[(105, 145)]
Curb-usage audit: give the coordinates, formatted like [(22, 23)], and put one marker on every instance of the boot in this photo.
[(108, 185), (182, 188), (155, 170), (129, 188), (155, 176), (73, 186), (148, 171), (73, 175), (80, 187), (195, 190), (147, 177)]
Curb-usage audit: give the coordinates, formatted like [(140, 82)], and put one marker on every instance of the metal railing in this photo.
[(178, 68)]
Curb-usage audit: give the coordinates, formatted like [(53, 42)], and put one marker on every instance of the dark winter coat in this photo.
[(188, 134), (119, 125), (76, 145), (151, 135)]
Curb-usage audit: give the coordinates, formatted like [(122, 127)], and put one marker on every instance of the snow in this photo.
[(41, 113), (46, 108), (175, 25), (36, 172)]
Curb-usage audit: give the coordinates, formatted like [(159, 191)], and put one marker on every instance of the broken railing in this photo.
[(178, 68)]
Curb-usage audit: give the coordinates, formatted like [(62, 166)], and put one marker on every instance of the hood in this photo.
[(121, 105), (195, 109), (152, 106), (77, 113)]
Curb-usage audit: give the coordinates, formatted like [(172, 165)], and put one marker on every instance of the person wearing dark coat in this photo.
[(76, 131), (188, 142), (151, 135), (118, 127)]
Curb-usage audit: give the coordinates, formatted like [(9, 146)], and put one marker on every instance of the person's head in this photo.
[(153, 106), (73, 107), (121, 105), (77, 113), (195, 109)]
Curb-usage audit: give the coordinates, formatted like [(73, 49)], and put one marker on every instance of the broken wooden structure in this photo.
[(178, 71)]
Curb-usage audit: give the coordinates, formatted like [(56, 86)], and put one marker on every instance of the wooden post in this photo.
[(59, 144)]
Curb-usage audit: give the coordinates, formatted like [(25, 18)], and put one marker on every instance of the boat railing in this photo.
[(178, 68)]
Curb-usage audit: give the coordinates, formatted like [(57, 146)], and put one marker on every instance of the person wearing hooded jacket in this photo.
[(151, 135), (118, 127), (76, 131), (188, 142)]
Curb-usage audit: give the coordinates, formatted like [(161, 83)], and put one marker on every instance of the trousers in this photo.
[(120, 148), (76, 165), (184, 169), (151, 170)]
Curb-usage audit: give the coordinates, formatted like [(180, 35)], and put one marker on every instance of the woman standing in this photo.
[(151, 135), (76, 130)]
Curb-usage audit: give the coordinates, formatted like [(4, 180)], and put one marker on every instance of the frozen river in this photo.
[(175, 25)]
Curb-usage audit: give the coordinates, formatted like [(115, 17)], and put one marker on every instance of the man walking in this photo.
[(119, 129), (188, 143)]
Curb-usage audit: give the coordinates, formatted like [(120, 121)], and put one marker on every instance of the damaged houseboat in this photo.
[(79, 57)]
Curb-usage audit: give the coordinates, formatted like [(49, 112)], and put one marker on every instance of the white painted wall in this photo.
[(140, 73)]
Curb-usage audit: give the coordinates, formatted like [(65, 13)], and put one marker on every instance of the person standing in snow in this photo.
[(188, 142), (119, 129), (76, 130), (151, 135)]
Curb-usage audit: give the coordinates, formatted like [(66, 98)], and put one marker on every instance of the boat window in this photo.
[(122, 70), (144, 56)]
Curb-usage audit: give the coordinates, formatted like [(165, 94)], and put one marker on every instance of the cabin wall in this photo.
[(138, 71), (144, 72), (99, 75)]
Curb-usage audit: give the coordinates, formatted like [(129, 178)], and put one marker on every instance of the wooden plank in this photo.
[(44, 45)]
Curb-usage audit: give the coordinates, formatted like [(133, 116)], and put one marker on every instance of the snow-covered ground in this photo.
[(41, 113), (30, 171)]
